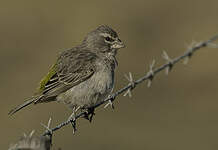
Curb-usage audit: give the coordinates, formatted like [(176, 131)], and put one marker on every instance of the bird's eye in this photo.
[(109, 39)]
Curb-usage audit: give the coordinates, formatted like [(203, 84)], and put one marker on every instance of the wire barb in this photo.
[(169, 61), (72, 118), (47, 127), (190, 51), (110, 103), (131, 83), (48, 131), (151, 73)]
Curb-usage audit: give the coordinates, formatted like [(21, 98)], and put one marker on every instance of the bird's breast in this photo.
[(103, 80)]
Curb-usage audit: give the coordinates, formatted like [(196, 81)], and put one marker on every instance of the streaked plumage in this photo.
[(83, 75)]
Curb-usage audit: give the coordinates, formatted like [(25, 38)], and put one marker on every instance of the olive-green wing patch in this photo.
[(47, 78)]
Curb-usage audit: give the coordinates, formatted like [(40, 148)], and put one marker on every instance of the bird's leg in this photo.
[(72, 118), (92, 113), (86, 114), (89, 113)]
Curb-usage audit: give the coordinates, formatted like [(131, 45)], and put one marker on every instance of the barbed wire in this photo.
[(168, 66), (44, 142)]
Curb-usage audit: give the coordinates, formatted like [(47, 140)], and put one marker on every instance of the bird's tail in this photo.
[(26, 103)]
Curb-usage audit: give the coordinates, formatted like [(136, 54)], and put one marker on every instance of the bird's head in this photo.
[(104, 40)]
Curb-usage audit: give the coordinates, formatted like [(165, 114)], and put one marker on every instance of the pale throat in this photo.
[(111, 57)]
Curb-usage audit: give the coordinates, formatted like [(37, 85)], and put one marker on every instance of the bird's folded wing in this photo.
[(72, 68)]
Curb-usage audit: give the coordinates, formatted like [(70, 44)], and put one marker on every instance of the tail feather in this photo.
[(19, 107)]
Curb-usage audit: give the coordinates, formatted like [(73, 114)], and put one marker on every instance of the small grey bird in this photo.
[(82, 76)]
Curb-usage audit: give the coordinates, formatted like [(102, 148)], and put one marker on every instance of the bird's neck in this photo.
[(109, 59)]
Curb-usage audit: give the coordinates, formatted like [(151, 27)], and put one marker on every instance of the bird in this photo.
[(82, 76)]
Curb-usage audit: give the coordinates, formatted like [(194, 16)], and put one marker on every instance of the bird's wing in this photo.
[(72, 68)]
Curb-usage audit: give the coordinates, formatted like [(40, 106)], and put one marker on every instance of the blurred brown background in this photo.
[(178, 112)]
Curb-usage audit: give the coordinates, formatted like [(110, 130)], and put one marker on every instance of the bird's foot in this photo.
[(89, 113)]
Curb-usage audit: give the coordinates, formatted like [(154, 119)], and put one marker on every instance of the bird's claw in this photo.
[(89, 113), (73, 123)]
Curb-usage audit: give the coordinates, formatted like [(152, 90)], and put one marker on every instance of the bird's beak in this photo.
[(118, 44)]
